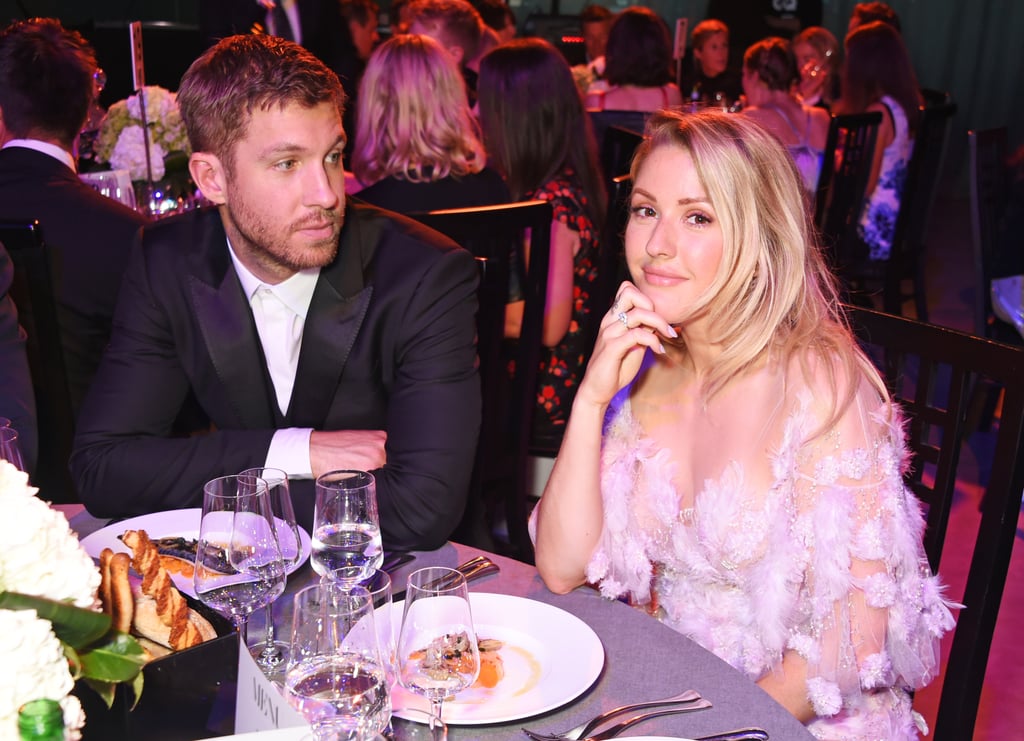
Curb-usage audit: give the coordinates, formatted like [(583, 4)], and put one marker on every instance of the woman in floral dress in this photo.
[(539, 137)]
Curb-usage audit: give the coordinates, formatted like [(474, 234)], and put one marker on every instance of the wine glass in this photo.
[(378, 584), (9, 449), (238, 561), (437, 650), (270, 654), (346, 528), (335, 677)]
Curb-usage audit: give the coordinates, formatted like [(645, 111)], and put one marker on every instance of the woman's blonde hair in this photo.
[(414, 121), (773, 295)]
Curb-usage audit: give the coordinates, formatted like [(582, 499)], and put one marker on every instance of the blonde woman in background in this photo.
[(817, 57), (417, 145)]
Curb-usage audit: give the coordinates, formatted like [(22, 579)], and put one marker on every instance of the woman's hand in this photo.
[(630, 326)]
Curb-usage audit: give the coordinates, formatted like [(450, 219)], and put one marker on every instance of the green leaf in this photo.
[(74, 661), (105, 690), (119, 659), (75, 626)]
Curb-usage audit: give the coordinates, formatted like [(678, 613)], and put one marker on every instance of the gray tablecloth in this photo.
[(644, 659)]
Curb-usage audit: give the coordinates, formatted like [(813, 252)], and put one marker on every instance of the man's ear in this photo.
[(209, 175)]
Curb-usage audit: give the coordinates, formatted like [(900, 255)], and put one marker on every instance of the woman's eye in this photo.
[(641, 212), (699, 219)]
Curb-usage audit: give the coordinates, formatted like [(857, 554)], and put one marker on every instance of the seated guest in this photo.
[(541, 140), (417, 147), (360, 35), (878, 76), (17, 398), (46, 88), (733, 463), (595, 23), (817, 57), (864, 13), (710, 80), (498, 17), (769, 72), (458, 27), (638, 65), (314, 336)]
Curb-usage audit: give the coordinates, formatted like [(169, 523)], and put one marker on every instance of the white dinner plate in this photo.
[(550, 657), (176, 522)]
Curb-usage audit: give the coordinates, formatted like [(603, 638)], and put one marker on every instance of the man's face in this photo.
[(285, 191), (364, 36), (595, 38)]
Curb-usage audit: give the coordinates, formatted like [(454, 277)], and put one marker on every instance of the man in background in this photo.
[(46, 87), (17, 403), (313, 334), (458, 27)]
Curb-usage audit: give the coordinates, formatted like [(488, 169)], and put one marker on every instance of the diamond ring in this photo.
[(621, 316)]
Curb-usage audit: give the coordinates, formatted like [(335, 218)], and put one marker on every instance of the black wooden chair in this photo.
[(931, 370), (843, 182), (499, 233), (32, 291)]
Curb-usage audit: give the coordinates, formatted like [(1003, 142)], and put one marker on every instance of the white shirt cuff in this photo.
[(289, 451)]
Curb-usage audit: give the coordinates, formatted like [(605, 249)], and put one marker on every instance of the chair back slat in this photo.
[(989, 189), (499, 234), (947, 363), (33, 294)]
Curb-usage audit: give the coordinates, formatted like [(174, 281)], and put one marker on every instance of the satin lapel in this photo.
[(336, 313), (229, 331)]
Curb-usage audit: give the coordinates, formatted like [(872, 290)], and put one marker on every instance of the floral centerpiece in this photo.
[(51, 630), (121, 144)]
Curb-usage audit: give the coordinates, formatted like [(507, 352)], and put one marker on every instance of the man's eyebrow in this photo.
[(280, 148)]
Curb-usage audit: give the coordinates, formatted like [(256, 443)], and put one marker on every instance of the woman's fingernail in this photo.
[(661, 348), (672, 332)]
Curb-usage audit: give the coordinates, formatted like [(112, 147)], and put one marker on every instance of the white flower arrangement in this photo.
[(120, 139), (51, 632)]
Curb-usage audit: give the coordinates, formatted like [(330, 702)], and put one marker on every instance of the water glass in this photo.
[(346, 526), (10, 451), (378, 584), (335, 677)]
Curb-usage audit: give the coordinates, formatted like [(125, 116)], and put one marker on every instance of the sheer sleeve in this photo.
[(868, 614)]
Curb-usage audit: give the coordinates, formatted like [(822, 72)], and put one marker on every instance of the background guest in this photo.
[(878, 76), (595, 24), (769, 72), (46, 88), (360, 19), (17, 398), (457, 26), (733, 463), (417, 146), (498, 17), (864, 13), (817, 57), (540, 138), (638, 65), (710, 79)]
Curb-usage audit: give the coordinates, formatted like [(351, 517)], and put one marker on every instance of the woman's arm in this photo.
[(886, 133), (570, 516), (788, 686)]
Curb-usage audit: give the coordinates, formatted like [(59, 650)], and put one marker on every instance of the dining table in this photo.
[(643, 660)]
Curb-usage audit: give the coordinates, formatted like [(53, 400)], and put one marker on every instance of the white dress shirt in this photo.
[(280, 314), (58, 153)]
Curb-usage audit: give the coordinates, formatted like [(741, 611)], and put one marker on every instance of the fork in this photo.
[(613, 731), (474, 568), (575, 734)]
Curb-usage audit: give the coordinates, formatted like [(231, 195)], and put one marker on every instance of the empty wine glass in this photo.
[(346, 528), (335, 676), (378, 584), (238, 561), (10, 451), (437, 649), (270, 654)]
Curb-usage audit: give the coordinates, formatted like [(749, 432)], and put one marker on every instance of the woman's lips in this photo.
[(660, 278)]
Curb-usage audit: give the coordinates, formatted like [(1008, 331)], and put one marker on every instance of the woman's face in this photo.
[(673, 238), (808, 60), (714, 55)]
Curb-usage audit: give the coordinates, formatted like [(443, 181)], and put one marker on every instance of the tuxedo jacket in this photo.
[(17, 400), (88, 236), (388, 344)]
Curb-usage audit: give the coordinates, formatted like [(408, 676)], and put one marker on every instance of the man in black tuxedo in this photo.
[(46, 86), (315, 336)]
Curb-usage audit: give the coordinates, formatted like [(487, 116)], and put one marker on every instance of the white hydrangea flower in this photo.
[(41, 555), (130, 154), (34, 667)]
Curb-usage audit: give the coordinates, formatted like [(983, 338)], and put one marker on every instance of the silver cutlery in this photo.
[(618, 728), (474, 568), (743, 734), (575, 734)]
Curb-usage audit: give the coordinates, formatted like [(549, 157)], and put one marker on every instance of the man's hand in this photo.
[(361, 450)]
